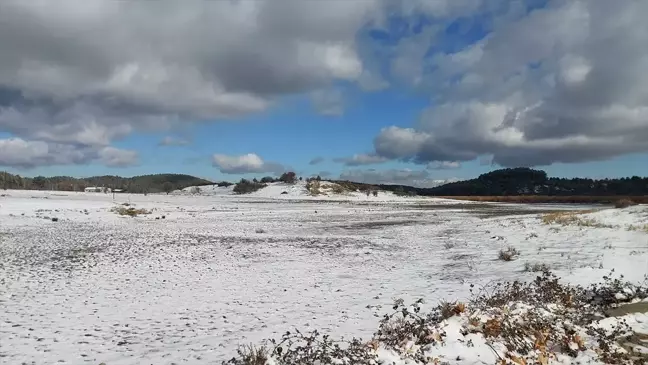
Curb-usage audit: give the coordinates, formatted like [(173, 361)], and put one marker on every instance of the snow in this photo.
[(298, 191), (222, 270)]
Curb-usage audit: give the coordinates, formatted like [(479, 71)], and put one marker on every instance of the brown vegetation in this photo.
[(130, 211), (522, 323), (530, 199), (624, 203), (508, 254), (572, 218)]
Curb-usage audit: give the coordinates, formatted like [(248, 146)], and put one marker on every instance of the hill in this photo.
[(137, 184), (499, 183), (525, 181)]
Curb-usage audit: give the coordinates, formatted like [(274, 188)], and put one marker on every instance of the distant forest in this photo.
[(528, 182), (525, 181), (504, 182), (138, 184)]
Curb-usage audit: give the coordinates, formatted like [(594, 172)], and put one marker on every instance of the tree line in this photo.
[(137, 184)]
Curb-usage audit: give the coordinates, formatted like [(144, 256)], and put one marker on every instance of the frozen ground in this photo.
[(222, 270)]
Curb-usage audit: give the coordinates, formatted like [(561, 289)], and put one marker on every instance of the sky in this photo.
[(381, 91)]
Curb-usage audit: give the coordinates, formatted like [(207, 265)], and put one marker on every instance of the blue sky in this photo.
[(383, 90)]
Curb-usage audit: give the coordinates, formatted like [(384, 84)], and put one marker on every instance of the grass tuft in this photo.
[(508, 254), (130, 211), (572, 218)]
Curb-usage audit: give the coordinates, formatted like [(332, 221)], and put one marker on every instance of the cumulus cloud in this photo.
[(88, 73), (416, 178), (316, 161), (115, 157), (244, 164), (564, 83), (20, 153), (361, 159), (174, 141)]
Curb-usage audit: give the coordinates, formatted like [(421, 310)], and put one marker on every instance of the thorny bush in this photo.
[(534, 321)]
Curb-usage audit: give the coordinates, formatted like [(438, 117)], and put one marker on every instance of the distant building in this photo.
[(96, 189)]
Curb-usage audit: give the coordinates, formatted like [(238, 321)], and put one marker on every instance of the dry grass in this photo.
[(572, 218), (624, 203), (536, 267), (530, 199), (130, 211), (313, 187), (508, 254), (638, 228), (251, 355), (336, 188)]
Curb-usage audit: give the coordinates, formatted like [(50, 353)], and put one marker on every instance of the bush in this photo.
[(522, 323), (268, 179), (508, 254), (536, 267), (288, 177), (624, 203), (313, 187), (246, 186), (130, 211), (224, 184)]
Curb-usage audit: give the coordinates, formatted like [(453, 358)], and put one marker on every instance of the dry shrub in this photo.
[(624, 203), (533, 322), (640, 228), (508, 254), (130, 211), (335, 188), (536, 267), (250, 355), (313, 187), (307, 348), (571, 218)]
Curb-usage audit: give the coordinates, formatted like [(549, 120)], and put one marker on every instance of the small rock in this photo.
[(54, 219)]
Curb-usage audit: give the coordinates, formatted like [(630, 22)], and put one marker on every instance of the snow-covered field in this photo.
[(203, 274)]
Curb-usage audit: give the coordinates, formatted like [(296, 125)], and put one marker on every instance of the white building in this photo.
[(96, 189)]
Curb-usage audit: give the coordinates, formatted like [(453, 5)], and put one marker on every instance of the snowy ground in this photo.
[(222, 270)]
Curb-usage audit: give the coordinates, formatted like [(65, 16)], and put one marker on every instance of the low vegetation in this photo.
[(573, 218), (313, 187), (624, 203), (508, 254), (128, 210), (536, 267), (638, 227), (246, 186), (519, 323)]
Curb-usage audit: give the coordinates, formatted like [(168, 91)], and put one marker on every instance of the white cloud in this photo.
[(89, 73), (20, 153), (564, 83), (244, 164), (115, 157), (408, 177), (362, 159)]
